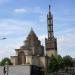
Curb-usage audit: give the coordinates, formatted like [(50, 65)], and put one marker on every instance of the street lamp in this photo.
[(3, 38), (6, 68)]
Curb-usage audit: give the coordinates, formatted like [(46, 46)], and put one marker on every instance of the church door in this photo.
[(21, 58)]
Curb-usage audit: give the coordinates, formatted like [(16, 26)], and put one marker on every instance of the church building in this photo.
[(32, 52)]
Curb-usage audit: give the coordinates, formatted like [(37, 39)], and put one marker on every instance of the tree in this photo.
[(60, 62), (57, 63), (3, 62), (53, 64), (68, 62)]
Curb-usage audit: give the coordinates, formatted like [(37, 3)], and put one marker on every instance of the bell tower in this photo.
[(51, 41)]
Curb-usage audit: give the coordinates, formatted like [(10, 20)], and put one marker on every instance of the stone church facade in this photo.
[(32, 52)]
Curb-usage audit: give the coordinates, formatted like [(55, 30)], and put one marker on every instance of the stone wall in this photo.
[(22, 70), (17, 70)]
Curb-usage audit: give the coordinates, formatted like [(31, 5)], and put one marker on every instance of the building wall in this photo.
[(14, 60), (43, 61), (35, 60), (39, 60), (51, 52), (28, 59)]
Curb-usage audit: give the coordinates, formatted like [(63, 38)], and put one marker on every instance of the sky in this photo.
[(17, 17)]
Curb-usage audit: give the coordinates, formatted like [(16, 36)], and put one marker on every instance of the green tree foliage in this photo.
[(3, 62), (58, 62), (68, 62), (53, 65)]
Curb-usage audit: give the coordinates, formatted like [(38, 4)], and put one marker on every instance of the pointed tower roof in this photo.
[(49, 13), (32, 32), (49, 8), (29, 40), (32, 35)]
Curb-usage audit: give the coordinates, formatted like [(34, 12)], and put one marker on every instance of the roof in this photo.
[(32, 32)]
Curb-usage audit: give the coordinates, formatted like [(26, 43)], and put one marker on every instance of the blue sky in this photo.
[(18, 16)]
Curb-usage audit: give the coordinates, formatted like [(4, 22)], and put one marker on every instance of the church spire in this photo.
[(49, 12), (50, 23), (51, 42), (49, 7)]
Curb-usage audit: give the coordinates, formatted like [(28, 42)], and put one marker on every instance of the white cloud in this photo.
[(35, 9), (11, 26), (66, 44), (20, 10), (66, 19), (66, 39), (8, 46), (42, 18), (15, 31), (42, 38)]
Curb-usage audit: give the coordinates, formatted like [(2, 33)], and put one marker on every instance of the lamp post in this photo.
[(4, 71), (3, 38), (6, 68)]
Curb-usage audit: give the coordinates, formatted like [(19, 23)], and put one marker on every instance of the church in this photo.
[(32, 52)]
